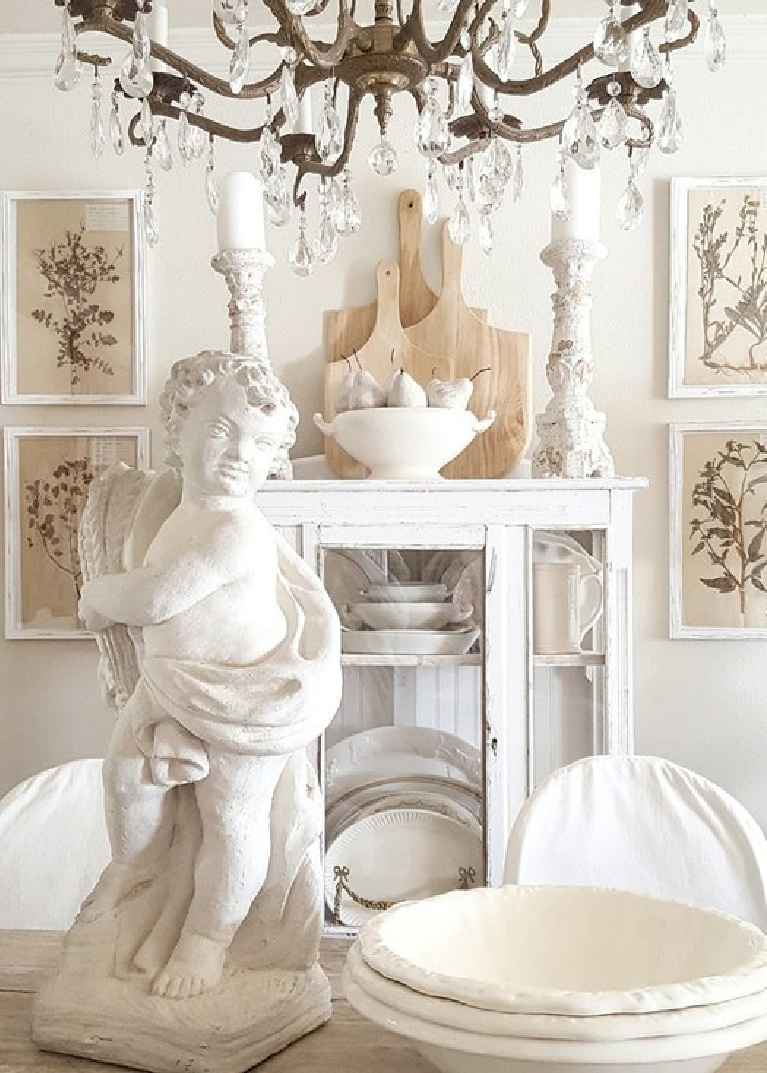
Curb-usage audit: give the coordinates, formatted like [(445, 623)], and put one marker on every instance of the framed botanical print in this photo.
[(719, 530), (73, 327), (718, 309), (47, 475)]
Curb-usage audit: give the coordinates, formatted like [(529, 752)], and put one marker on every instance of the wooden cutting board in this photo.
[(375, 356), (470, 344), (347, 330)]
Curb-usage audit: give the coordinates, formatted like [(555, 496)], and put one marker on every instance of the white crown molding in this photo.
[(33, 55)]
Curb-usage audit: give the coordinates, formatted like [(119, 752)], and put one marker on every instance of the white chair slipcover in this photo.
[(53, 845), (644, 824)]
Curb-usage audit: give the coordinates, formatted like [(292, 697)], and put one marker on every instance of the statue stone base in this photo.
[(86, 1010)]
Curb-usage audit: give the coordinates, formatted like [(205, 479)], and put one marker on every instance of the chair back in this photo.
[(644, 824), (53, 845)]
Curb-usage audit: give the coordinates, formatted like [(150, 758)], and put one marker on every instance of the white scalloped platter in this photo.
[(455, 799), (400, 855), (422, 801), (388, 752)]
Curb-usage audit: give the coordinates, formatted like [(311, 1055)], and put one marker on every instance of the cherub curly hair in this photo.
[(190, 378)]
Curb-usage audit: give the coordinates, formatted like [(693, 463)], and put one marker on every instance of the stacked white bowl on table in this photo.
[(403, 807), (408, 618), (562, 980)]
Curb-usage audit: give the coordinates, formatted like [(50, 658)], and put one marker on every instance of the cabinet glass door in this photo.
[(569, 654), (402, 762)]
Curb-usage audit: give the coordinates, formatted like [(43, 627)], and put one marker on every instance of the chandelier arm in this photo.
[(274, 37), (135, 139), (542, 24), (457, 156), (682, 42), (92, 60), (189, 70), (644, 120), (244, 135), (320, 54), (414, 31), (525, 87)]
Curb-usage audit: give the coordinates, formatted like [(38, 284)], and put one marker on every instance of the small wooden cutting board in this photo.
[(469, 344)]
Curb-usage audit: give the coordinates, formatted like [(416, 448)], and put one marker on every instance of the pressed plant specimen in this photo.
[(54, 505), (733, 279), (73, 270), (729, 524)]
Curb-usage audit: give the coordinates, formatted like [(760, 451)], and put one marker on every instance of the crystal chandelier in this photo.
[(465, 87)]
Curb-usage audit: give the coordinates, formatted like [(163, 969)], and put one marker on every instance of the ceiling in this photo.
[(41, 16)]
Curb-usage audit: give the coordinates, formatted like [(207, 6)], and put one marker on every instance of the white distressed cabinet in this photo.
[(526, 713)]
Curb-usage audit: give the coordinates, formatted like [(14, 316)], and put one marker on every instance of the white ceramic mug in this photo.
[(567, 601)]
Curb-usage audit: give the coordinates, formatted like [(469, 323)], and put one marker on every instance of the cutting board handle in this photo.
[(387, 323), (416, 296)]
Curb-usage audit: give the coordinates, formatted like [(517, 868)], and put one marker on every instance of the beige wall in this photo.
[(701, 703)]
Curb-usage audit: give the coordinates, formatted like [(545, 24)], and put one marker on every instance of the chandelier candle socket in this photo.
[(472, 88), (582, 197), (240, 218), (157, 26), (305, 118)]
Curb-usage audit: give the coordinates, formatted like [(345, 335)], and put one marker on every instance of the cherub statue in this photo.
[(221, 651)]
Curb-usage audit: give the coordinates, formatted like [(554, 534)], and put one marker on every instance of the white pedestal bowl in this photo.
[(409, 443)]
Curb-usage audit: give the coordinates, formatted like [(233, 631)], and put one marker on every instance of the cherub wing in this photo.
[(104, 528)]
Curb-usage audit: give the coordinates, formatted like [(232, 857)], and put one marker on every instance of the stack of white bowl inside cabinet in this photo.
[(403, 819), (409, 618), (562, 980)]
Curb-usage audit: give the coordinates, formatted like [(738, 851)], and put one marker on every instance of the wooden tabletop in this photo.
[(347, 1044)]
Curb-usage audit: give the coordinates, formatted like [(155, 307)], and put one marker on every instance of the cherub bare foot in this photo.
[(194, 966)]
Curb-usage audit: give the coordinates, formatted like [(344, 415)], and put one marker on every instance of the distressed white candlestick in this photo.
[(240, 217), (571, 432)]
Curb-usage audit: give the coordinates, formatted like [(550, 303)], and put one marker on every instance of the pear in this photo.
[(341, 400), (405, 391), (452, 394), (365, 392)]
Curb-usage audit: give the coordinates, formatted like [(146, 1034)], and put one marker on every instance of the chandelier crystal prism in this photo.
[(467, 87)]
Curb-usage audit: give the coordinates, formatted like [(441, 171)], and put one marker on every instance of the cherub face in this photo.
[(227, 446)]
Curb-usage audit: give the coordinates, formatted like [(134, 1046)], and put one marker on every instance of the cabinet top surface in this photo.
[(542, 486)]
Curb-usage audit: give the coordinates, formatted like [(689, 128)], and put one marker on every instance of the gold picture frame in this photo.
[(72, 322), (47, 474)]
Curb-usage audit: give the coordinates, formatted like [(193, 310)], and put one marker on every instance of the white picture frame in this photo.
[(717, 309), (46, 475), (64, 345), (718, 499)]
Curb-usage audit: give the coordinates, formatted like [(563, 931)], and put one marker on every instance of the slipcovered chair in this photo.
[(53, 845), (644, 824)]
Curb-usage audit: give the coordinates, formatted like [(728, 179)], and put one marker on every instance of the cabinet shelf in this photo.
[(390, 659), (573, 659)]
